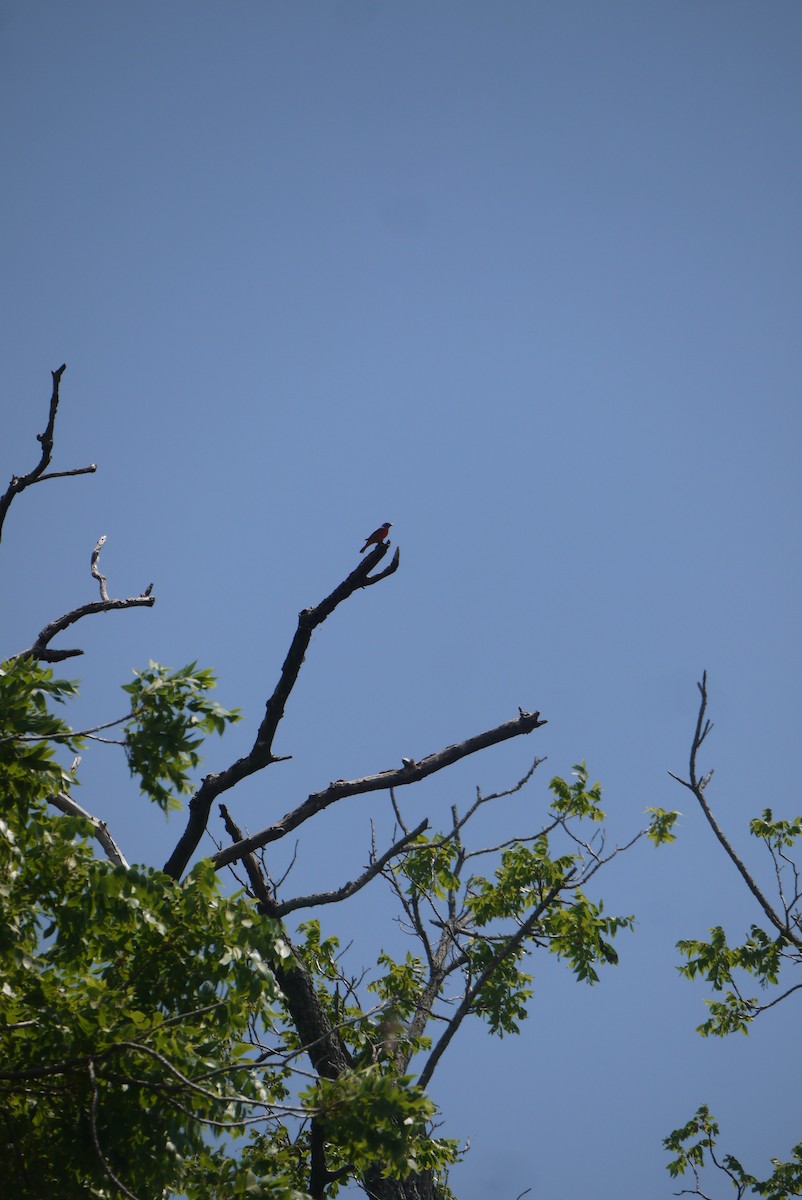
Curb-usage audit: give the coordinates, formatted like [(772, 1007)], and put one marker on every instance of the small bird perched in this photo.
[(377, 536)]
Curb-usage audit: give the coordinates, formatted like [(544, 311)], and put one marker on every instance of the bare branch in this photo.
[(396, 777), (96, 573), (40, 648), (261, 754), (90, 470), (66, 804), (349, 889), (73, 733), (20, 482), (697, 786)]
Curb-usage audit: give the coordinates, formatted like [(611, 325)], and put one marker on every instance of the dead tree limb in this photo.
[(20, 482), (41, 647), (261, 753), (697, 786), (281, 908), (397, 777)]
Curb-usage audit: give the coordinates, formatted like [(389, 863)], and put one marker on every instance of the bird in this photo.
[(377, 536)]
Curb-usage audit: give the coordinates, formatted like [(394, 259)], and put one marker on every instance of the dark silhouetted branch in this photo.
[(280, 909), (398, 777), (41, 647), (261, 754), (20, 482), (697, 786)]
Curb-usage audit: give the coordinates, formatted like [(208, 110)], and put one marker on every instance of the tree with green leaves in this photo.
[(768, 952), (165, 1032)]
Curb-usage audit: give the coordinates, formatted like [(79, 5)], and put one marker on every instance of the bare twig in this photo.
[(90, 470), (73, 733), (352, 887), (697, 786), (40, 649), (20, 482), (96, 572)]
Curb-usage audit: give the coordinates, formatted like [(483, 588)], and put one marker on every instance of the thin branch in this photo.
[(261, 754), (90, 470), (395, 777), (40, 648), (508, 947), (349, 889), (20, 482), (73, 733), (697, 786), (184, 1080), (761, 1008), (96, 572), (426, 1000), (66, 804)]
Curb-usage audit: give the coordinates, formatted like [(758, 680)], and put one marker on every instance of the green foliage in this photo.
[(701, 1126), (502, 1000), (318, 953), (428, 867), (780, 835), (759, 956), (375, 1115), (661, 829), (126, 999), (170, 715), (401, 985), (29, 731), (522, 880), (578, 933), (577, 799), (142, 1029), (700, 1134)]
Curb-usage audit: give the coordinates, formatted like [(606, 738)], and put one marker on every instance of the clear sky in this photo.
[(523, 278)]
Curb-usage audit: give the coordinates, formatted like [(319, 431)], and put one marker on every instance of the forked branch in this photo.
[(20, 482), (41, 647), (261, 753), (411, 772), (697, 786)]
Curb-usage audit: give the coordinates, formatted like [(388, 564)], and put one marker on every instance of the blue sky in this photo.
[(524, 279)]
